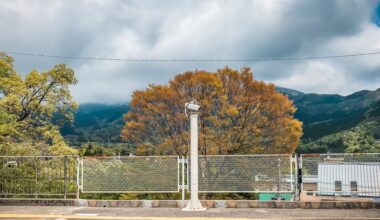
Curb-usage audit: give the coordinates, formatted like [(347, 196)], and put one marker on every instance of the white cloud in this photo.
[(195, 29), (315, 77)]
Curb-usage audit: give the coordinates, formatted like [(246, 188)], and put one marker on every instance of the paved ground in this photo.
[(53, 212), (60, 213)]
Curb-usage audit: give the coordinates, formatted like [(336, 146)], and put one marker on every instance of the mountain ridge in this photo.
[(326, 118)]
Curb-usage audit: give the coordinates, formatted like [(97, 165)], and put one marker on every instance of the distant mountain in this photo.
[(327, 115), (99, 123), (291, 93), (332, 123), (364, 137)]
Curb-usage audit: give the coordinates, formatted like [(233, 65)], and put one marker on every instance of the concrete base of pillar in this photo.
[(194, 206)]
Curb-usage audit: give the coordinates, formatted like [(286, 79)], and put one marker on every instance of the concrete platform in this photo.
[(62, 213), (206, 203)]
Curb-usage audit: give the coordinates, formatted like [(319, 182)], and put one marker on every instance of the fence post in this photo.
[(65, 176), (279, 185), (78, 173), (187, 175), (183, 177), (296, 197), (36, 179), (299, 176), (81, 174)]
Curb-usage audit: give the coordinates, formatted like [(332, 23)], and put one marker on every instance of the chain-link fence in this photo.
[(321, 175), (246, 173), (38, 176), (340, 175), (130, 174)]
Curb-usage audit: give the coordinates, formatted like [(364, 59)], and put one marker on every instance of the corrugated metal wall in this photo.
[(365, 175)]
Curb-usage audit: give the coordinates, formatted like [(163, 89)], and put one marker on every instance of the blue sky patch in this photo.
[(376, 16)]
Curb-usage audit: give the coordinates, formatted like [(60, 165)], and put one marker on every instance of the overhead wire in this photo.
[(194, 60)]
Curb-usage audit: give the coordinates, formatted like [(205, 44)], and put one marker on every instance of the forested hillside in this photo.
[(332, 123), (335, 123), (97, 123)]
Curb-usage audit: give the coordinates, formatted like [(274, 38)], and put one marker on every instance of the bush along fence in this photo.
[(312, 177), (39, 176)]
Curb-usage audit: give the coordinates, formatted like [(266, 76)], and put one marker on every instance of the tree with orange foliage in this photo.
[(239, 115)]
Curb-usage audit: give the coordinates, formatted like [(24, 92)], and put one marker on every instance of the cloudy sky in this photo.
[(213, 29)]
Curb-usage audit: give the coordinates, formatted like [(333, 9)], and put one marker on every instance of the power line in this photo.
[(195, 60)]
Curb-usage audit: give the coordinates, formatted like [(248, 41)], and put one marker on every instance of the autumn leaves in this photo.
[(239, 115)]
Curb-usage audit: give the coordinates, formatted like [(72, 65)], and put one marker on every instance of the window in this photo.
[(354, 186), (338, 186)]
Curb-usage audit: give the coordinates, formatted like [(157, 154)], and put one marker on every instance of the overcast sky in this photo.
[(194, 30)]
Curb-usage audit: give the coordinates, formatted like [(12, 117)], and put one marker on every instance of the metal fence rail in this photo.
[(246, 173), (130, 174), (38, 176), (354, 175), (321, 175)]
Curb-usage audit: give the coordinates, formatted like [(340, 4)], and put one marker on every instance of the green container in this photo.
[(273, 196)]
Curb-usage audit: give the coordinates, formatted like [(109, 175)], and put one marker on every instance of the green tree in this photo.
[(33, 107)]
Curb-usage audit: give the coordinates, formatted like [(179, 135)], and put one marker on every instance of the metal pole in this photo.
[(279, 188), (36, 180), (291, 173), (296, 196), (187, 175), (300, 177), (194, 204), (78, 174), (81, 176), (183, 177), (65, 177)]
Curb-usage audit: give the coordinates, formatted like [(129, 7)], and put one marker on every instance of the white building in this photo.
[(349, 179)]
